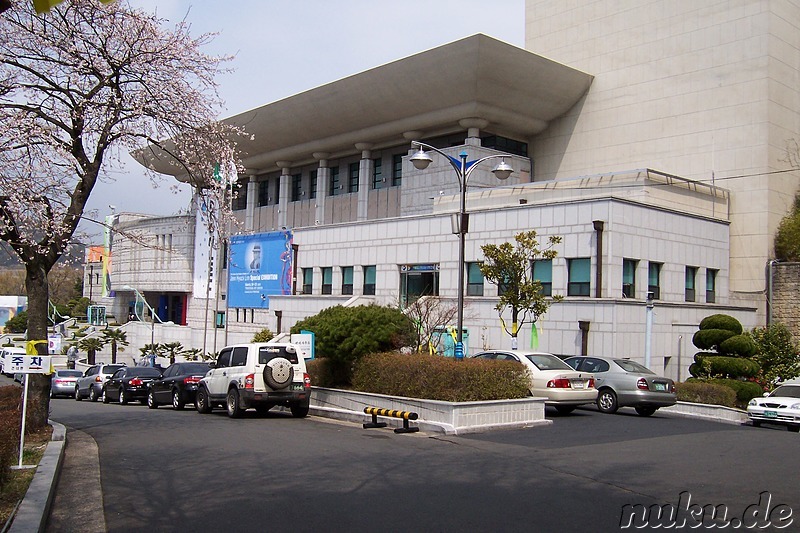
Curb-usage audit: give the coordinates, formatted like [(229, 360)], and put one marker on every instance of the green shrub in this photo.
[(319, 370), (17, 323), (345, 334), (440, 378), (702, 392), (777, 353), (720, 321), (721, 366), (706, 339), (265, 335), (745, 390)]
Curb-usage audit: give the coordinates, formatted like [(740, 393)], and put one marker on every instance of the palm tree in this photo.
[(90, 345), (171, 349), (115, 337)]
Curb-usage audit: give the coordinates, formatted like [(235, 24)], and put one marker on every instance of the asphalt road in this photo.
[(168, 471)]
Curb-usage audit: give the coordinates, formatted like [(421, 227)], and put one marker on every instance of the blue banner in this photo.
[(260, 266)]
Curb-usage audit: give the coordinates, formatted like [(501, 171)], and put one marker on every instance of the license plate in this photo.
[(577, 384), (659, 386), (298, 386), (770, 414)]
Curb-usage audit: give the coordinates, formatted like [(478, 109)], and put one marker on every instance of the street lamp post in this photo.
[(153, 316), (460, 222)]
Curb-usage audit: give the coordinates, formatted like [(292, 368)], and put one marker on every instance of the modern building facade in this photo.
[(653, 146)]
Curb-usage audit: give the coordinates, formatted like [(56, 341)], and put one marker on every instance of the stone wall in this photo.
[(785, 291)]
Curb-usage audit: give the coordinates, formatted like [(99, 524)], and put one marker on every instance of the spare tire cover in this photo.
[(278, 373)]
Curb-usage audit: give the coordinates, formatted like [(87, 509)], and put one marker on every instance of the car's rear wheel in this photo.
[(177, 401), (299, 409), (607, 401), (104, 397), (645, 411), (565, 409), (123, 400), (232, 402), (77, 394), (92, 394), (201, 402), (151, 400)]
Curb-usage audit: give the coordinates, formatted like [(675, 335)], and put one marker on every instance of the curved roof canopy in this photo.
[(517, 92)]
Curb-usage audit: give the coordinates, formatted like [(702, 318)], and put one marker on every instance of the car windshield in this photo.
[(544, 361), (267, 353), (70, 373), (193, 368), (787, 391), (110, 369), (632, 366), (144, 372)]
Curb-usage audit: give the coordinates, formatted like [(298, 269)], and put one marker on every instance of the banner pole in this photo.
[(24, 411)]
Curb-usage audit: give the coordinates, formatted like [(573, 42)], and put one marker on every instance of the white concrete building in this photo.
[(650, 140)]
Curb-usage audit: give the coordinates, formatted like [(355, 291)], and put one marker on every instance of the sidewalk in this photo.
[(78, 503)]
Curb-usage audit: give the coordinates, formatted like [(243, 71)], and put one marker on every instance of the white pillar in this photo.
[(364, 179), (283, 198), (323, 182)]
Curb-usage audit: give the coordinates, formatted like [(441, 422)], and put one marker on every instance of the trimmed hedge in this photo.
[(702, 392), (745, 390), (440, 378), (740, 345), (720, 321), (719, 365), (319, 370), (9, 429)]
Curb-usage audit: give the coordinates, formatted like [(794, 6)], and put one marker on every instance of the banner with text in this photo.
[(260, 265)]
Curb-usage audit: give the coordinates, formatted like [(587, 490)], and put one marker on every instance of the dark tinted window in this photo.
[(787, 391), (632, 366), (192, 368), (265, 353), (224, 359), (70, 373), (487, 355), (143, 371), (547, 362), (239, 357), (110, 369)]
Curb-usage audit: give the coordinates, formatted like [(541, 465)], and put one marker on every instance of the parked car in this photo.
[(781, 406), (258, 375), (9, 351), (91, 384), (62, 382), (551, 378), (129, 383), (177, 385), (626, 383)]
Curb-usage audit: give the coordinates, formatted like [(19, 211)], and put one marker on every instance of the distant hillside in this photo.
[(74, 256)]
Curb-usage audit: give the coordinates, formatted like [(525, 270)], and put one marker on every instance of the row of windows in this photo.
[(368, 287), (578, 279), (269, 189)]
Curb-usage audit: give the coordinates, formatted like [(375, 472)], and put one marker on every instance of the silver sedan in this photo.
[(626, 383), (62, 382)]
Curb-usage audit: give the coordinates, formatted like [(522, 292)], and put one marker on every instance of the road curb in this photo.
[(35, 507)]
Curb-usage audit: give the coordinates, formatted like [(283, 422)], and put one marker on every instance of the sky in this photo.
[(284, 47)]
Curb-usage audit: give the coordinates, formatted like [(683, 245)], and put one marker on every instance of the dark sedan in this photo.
[(177, 386), (129, 383)]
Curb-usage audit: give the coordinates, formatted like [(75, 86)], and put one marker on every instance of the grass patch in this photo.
[(14, 483)]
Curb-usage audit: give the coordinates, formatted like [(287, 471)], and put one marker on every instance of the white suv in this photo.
[(258, 375)]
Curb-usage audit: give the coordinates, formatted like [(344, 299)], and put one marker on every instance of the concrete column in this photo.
[(283, 198), (473, 125), (358, 279), (364, 179), (252, 200), (323, 182)]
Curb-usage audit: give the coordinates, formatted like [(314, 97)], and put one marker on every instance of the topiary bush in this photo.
[(703, 392), (440, 378), (726, 359), (319, 370), (345, 334)]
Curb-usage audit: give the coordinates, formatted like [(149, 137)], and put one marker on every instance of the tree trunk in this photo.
[(113, 353), (38, 311)]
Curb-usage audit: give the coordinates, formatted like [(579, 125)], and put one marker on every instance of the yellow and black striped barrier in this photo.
[(391, 413)]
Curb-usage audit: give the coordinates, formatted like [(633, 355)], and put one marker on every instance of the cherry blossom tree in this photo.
[(79, 85)]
